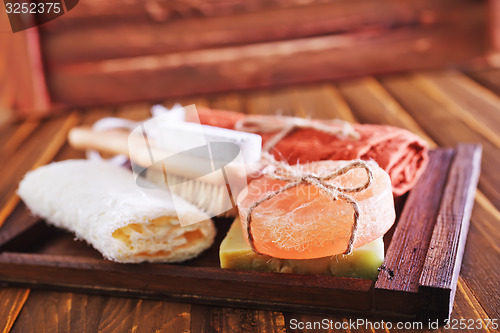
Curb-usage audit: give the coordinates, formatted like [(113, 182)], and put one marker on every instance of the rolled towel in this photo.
[(102, 204), (402, 154)]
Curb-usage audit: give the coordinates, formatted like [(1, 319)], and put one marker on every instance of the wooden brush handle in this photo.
[(117, 142), (112, 142)]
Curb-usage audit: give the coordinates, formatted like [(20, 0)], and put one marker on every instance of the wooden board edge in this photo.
[(196, 282), (61, 38), (183, 271), (262, 65), (214, 301), (405, 256), (438, 282)]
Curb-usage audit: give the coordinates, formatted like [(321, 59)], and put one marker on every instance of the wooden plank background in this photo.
[(153, 58), (445, 107), (110, 52)]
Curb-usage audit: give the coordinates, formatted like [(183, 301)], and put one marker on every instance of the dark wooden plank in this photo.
[(199, 284), (262, 64), (97, 12), (47, 311), (61, 44), (433, 115), (397, 284), (131, 315), (12, 301), (201, 318), (19, 224), (206, 319), (438, 281), (91, 313), (467, 309)]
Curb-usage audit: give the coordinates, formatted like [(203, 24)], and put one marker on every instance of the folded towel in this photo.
[(402, 154)]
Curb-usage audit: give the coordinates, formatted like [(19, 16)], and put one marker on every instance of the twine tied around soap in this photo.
[(285, 125), (284, 172)]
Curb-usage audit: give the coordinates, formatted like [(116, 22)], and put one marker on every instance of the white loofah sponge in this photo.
[(102, 204)]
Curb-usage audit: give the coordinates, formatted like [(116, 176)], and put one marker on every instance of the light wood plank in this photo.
[(51, 136), (373, 104), (276, 101), (475, 105), (12, 301), (322, 102), (230, 101), (434, 116), (16, 139), (481, 263), (134, 111)]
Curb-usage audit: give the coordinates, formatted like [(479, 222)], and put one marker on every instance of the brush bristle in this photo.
[(210, 198)]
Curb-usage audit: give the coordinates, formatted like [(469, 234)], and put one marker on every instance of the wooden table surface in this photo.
[(444, 107)]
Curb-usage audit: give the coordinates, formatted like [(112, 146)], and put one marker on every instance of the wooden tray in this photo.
[(417, 280)]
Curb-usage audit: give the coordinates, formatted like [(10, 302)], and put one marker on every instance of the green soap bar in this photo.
[(235, 253)]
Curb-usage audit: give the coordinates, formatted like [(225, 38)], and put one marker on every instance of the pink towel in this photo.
[(401, 153)]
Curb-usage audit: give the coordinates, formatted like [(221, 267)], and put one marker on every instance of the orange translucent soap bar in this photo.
[(305, 223)]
